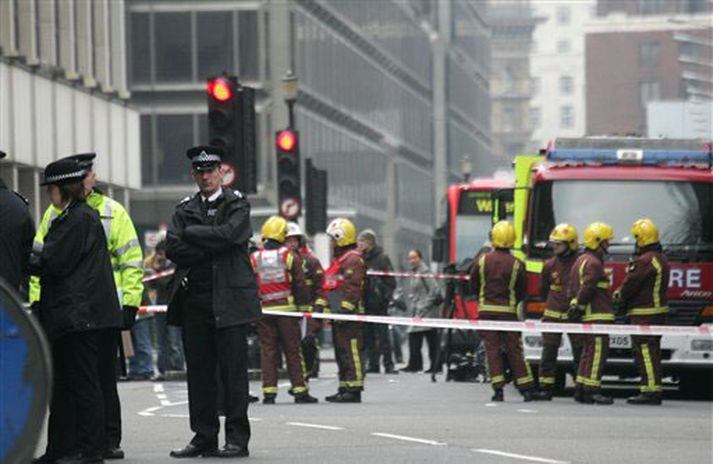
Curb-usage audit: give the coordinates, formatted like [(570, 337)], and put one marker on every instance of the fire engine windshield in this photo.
[(682, 211), (473, 222)]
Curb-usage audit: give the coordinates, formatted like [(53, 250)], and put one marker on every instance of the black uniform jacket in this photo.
[(16, 233), (78, 290), (190, 242)]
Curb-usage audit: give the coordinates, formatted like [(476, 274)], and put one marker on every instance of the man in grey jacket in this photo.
[(421, 295)]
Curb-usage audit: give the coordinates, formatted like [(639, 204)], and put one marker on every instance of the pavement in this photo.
[(407, 418)]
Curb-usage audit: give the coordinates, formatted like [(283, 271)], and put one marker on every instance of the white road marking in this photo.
[(179, 416), (520, 456), (393, 381), (491, 405), (411, 439), (161, 396), (527, 411), (315, 426), (158, 388), (149, 411), (283, 384)]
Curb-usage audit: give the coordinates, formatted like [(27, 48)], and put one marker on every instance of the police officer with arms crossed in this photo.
[(214, 297), (127, 264), (643, 295), (16, 232), (499, 280), (77, 314), (554, 287), (314, 279), (344, 284), (282, 286), (591, 302)]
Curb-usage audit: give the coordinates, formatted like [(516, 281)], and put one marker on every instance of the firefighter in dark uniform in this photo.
[(282, 287), (314, 278), (643, 295), (591, 302), (76, 313), (344, 283), (213, 297), (554, 287), (16, 231), (498, 278)]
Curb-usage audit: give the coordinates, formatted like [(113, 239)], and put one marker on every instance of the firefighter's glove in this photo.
[(129, 314), (617, 302), (574, 313)]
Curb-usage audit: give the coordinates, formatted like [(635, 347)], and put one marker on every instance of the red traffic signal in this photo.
[(286, 140), (220, 89)]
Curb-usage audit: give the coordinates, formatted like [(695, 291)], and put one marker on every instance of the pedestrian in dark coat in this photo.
[(77, 309)]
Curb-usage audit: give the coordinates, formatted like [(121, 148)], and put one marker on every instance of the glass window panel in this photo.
[(140, 48), (215, 43), (147, 150), (173, 47), (174, 136), (249, 45)]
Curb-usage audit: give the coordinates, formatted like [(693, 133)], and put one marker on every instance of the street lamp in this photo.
[(466, 167), (289, 93)]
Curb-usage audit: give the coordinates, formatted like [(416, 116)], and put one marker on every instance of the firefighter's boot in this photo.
[(596, 398), (498, 395), (268, 399), (526, 395), (347, 396), (305, 398), (645, 398), (542, 395)]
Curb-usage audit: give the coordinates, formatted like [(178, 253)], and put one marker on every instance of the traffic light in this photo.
[(289, 195), (231, 126), (316, 199)]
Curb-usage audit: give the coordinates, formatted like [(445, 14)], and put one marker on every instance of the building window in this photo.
[(563, 15), (566, 85), (173, 47), (535, 116), (566, 117), (649, 91), (649, 53), (140, 42), (508, 119), (214, 33), (564, 46)]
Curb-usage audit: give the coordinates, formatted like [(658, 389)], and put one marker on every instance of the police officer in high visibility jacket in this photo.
[(498, 278), (314, 278), (643, 296), (344, 284), (127, 264), (282, 287), (591, 302), (554, 286)]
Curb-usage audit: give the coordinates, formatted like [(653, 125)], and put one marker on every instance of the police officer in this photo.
[(281, 282), (591, 302), (127, 264), (498, 278), (344, 284), (314, 279), (554, 287), (643, 295), (16, 231), (77, 313), (213, 297)]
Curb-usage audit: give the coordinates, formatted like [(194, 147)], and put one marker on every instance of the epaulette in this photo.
[(24, 200), (184, 201), (238, 194)]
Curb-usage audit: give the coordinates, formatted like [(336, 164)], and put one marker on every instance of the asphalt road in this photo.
[(408, 419)]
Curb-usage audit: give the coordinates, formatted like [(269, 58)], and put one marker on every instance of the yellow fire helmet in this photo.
[(595, 233), (275, 228), (565, 233), (645, 232), (342, 231), (502, 235)]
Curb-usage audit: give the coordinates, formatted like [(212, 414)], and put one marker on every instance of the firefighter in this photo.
[(554, 286), (643, 296), (282, 286), (127, 263), (591, 302), (344, 284), (499, 280), (314, 278)]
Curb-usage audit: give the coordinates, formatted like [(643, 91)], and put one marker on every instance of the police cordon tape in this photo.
[(705, 330), (417, 275)]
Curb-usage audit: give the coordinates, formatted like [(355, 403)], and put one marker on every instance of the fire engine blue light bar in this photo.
[(649, 157)]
